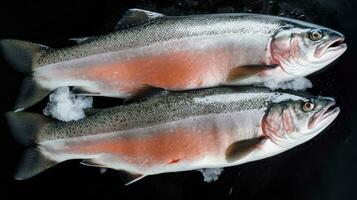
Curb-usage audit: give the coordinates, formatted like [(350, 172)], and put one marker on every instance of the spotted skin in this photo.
[(182, 53), (181, 131)]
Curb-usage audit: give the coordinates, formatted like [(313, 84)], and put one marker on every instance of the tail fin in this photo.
[(32, 163), (22, 55), (25, 128), (30, 94)]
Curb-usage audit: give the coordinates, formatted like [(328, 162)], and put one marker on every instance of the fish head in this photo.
[(293, 122), (304, 49)]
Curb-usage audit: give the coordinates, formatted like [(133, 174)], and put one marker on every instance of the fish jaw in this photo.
[(328, 47), (329, 51)]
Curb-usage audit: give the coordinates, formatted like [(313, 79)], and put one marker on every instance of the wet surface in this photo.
[(323, 168)]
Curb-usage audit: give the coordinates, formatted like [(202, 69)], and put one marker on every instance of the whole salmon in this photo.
[(180, 131), (176, 53)]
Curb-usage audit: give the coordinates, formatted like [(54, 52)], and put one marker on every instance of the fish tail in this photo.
[(30, 93), (25, 128), (22, 55)]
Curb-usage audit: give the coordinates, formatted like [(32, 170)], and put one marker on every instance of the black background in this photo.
[(323, 168)]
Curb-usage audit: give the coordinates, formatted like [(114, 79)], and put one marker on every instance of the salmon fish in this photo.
[(150, 50), (208, 128)]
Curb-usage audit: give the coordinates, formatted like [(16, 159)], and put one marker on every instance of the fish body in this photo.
[(177, 53), (180, 131)]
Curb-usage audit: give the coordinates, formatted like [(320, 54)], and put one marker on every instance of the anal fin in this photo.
[(83, 91), (126, 176), (91, 163), (130, 178)]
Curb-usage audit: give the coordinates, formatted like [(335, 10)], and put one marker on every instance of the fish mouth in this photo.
[(334, 46), (326, 114)]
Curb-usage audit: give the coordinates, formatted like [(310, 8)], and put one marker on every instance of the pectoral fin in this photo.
[(240, 149), (242, 72)]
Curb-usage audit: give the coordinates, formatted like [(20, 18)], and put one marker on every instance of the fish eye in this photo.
[(315, 35), (308, 106)]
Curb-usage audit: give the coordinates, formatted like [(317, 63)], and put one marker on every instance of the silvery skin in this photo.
[(180, 131), (150, 50)]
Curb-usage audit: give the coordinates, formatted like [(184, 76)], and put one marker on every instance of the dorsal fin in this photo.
[(135, 17), (80, 40)]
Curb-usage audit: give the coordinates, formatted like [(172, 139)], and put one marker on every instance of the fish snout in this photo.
[(333, 45), (327, 113)]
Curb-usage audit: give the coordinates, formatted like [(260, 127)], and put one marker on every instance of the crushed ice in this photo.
[(66, 106), (300, 83), (210, 174)]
